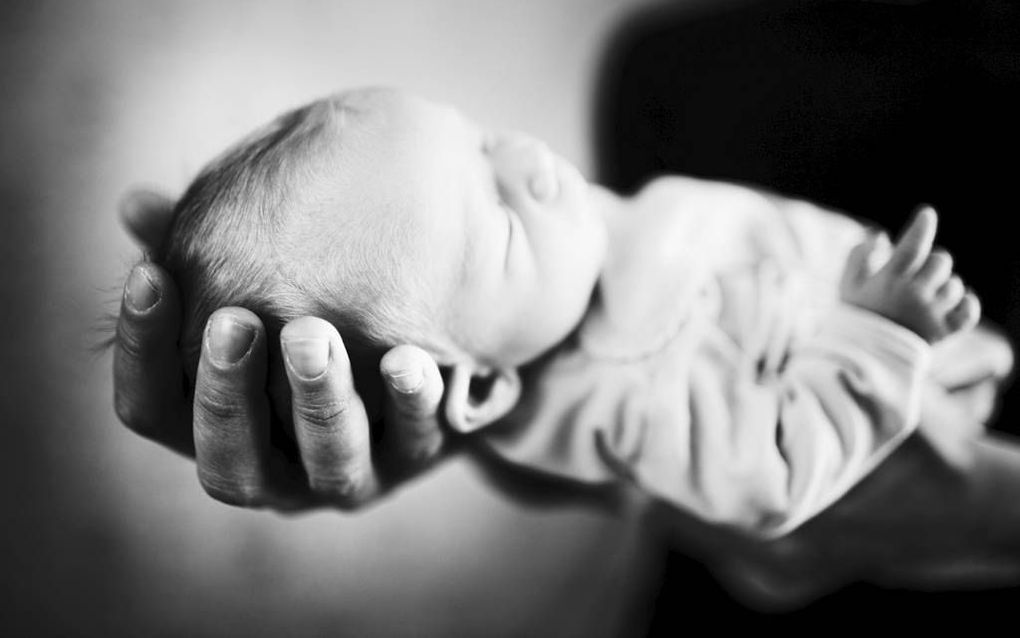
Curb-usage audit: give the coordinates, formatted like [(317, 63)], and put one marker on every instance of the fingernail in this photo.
[(407, 381), (308, 357), (229, 340), (139, 293)]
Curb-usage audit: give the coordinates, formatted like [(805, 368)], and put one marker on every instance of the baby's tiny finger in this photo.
[(965, 315), (914, 245), (950, 293), (936, 270)]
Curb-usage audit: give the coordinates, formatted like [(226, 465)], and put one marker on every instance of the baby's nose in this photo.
[(523, 165)]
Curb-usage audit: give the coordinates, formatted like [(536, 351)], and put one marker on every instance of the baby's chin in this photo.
[(558, 325), (513, 352)]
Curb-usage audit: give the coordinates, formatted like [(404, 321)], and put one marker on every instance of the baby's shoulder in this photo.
[(696, 196), (729, 225), (680, 235), (673, 236)]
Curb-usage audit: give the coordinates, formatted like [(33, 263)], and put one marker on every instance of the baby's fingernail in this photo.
[(407, 381), (308, 357), (139, 293), (229, 340)]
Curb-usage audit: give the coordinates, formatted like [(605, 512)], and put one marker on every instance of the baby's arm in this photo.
[(915, 287), (853, 390)]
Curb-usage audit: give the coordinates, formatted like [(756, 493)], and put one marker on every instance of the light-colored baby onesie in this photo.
[(718, 369)]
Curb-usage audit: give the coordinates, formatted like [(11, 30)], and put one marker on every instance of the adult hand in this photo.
[(225, 423)]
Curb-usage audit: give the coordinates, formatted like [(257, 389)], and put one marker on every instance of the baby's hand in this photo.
[(915, 287)]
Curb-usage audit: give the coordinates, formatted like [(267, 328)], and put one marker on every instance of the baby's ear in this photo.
[(475, 398)]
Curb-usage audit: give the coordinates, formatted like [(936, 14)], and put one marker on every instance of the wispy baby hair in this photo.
[(273, 226), (225, 245)]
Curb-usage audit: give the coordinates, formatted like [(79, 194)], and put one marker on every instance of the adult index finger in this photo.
[(330, 422), (231, 410), (915, 243), (149, 394)]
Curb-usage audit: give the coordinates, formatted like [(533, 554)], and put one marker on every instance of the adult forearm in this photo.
[(971, 537), (942, 512)]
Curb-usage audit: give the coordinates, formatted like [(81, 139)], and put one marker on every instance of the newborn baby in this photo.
[(744, 357)]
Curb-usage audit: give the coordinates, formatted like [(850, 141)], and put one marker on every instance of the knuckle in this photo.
[(909, 246), (216, 405), (910, 254), (128, 340), (422, 404), (919, 293), (413, 407), (322, 412)]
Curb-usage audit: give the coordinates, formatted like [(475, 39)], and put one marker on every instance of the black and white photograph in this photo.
[(336, 318)]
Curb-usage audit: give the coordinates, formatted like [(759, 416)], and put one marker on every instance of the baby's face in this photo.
[(498, 233)]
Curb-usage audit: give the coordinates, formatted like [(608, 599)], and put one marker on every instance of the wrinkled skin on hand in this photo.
[(226, 422)]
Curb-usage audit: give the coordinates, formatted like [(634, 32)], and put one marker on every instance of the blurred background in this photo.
[(107, 534)]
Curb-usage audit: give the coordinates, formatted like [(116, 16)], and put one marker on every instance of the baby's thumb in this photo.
[(858, 262)]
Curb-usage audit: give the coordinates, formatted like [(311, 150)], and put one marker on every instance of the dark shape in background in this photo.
[(868, 108)]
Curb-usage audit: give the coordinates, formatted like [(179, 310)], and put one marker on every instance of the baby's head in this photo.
[(399, 221)]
